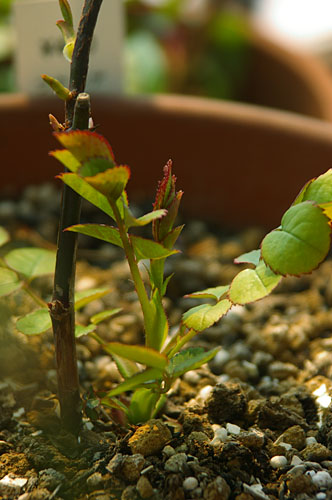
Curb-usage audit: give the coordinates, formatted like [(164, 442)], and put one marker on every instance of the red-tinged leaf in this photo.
[(66, 158), (94, 166), (170, 240), (84, 144), (200, 318), (139, 354), (252, 257), (189, 359), (80, 186), (110, 183)]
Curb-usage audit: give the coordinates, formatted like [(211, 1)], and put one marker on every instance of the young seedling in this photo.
[(297, 246)]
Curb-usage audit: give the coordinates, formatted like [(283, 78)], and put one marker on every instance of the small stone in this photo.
[(253, 439), (321, 495), (301, 484), (316, 452), (132, 466), (192, 377), (50, 478), (168, 451), (95, 482), (233, 429), (296, 460), (297, 470), (12, 485), (144, 487), (129, 493), (150, 438), (220, 435), (311, 440), (256, 491), (115, 463), (278, 461), (322, 479), (295, 436), (190, 483), (176, 462), (217, 490), (282, 371)]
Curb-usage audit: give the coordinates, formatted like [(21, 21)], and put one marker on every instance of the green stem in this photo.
[(136, 275)]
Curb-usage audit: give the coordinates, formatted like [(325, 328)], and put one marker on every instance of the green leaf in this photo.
[(148, 249), (31, 262), (81, 330), (4, 236), (301, 243), (84, 144), (67, 31), (159, 321), (101, 316), (149, 375), (215, 293), (9, 281), (126, 367), (318, 190), (142, 404), (131, 221), (84, 297), (34, 323), (110, 183), (66, 158), (253, 284), (252, 257), (57, 87), (80, 186), (95, 166), (189, 359), (143, 248), (201, 317), (66, 12), (68, 51), (139, 354)]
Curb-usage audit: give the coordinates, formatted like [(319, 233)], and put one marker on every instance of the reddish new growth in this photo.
[(168, 198)]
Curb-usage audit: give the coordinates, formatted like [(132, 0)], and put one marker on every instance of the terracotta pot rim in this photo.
[(179, 105)]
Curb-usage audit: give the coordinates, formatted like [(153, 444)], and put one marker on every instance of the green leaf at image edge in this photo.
[(301, 243), (4, 236)]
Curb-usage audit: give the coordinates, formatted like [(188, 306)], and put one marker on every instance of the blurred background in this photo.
[(198, 47)]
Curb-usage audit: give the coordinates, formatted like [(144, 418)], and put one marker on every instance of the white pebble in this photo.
[(322, 479), (220, 435), (296, 460), (205, 392), (310, 440), (287, 446), (321, 496), (278, 461), (192, 377), (190, 483), (168, 451), (233, 429)]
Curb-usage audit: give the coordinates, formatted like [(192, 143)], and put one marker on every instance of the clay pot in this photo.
[(237, 164)]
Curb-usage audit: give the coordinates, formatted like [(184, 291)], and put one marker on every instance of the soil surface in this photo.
[(253, 424)]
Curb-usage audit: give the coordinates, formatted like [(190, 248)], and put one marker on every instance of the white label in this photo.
[(40, 44)]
